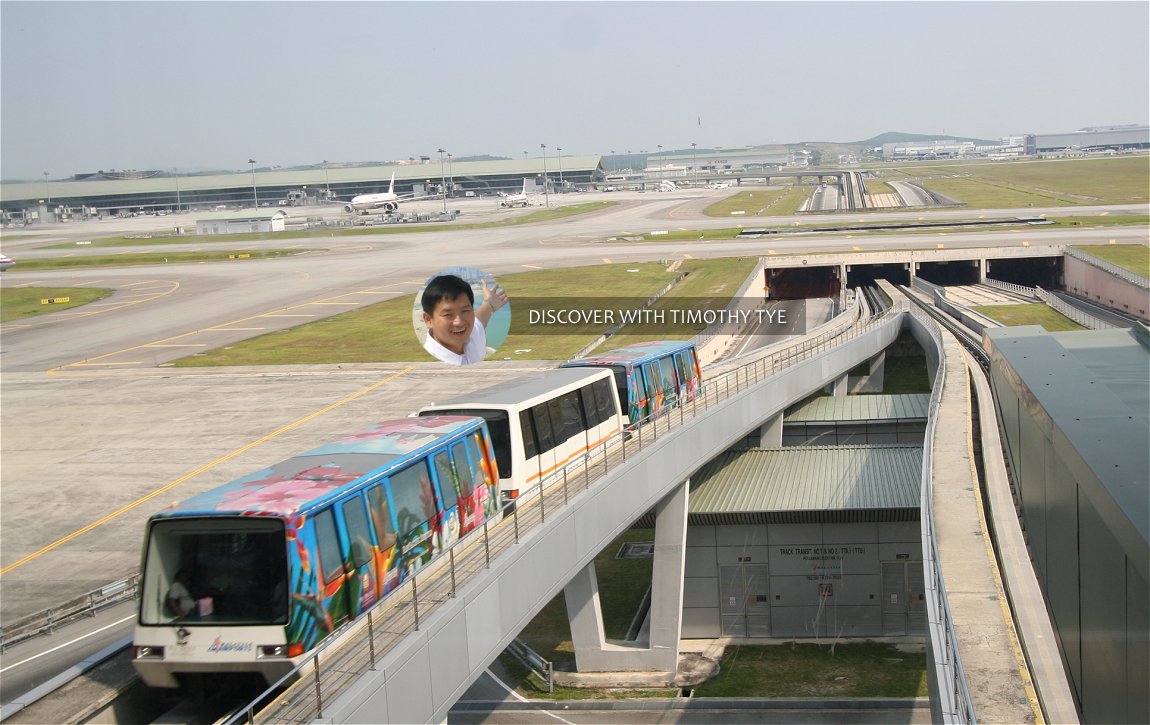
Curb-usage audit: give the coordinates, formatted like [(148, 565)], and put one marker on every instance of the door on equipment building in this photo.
[(745, 604), (903, 598)]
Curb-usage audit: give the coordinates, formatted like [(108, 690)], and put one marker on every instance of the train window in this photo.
[(542, 427), (330, 554), (681, 368), (530, 444), (667, 368), (572, 414), (355, 518), (558, 430), (463, 468), (497, 426), (604, 399), (411, 495), (588, 406), (381, 517), (447, 479)]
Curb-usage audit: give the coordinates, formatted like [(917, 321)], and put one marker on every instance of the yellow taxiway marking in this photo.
[(687, 256), (1104, 213), (97, 364), (207, 466), (235, 329), (940, 245), (606, 260), (272, 314), (345, 304), (188, 344), (531, 266), (857, 249)]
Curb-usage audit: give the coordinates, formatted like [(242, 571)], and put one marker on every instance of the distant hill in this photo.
[(899, 137)]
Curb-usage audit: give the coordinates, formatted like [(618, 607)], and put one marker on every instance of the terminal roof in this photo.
[(869, 408)]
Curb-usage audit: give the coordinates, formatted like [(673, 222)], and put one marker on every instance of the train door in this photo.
[(744, 603), (361, 570), (411, 498), (387, 575), (447, 527), (485, 476), (333, 575), (670, 384), (570, 427), (538, 448), (652, 388), (903, 598)]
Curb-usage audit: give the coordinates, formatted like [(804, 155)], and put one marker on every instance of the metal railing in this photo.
[(1010, 287), (1071, 312), (1114, 269), (955, 701), (355, 648), (85, 605)]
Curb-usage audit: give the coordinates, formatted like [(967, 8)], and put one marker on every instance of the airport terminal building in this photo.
[(120, 194)]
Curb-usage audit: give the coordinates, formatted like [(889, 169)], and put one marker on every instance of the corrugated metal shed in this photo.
[(811, 479), (239, 216), (869, 408)]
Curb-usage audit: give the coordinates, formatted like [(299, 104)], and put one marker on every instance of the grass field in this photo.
[(535, 216), (1028, 314), (765, 202), (25, 302), (145, 258), (848, 669), (1062, 182), (383, 332), (1134, 257)]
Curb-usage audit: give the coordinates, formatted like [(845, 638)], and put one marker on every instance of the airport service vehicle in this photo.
[(274, 562), (652, 377), (541, 422)]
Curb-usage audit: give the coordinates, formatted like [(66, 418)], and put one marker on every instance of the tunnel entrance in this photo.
[(1044, 272), (957, 272), (800, 283), (865, 275)]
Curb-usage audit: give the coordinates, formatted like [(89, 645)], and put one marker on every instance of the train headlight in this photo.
[(147, 652), (273, 650)]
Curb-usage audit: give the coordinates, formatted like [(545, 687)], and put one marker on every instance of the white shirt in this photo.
[(474, 351)]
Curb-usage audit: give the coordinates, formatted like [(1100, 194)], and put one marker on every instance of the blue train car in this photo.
[(651, 376)]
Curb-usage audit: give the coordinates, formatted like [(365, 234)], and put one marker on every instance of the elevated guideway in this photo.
[(423, 646)]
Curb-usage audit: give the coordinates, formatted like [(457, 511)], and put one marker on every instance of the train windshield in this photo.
[(213, 571)]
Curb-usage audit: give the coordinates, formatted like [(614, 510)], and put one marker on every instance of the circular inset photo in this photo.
[(461, 315)]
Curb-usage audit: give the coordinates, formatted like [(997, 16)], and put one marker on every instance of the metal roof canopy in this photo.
[(861, 408), (809, 483), (1094, 388)]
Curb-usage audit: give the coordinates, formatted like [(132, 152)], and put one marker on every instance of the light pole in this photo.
[(177, 180), (442, 181), (255, 194), (450, 176), (562, 186), (660, 156), (47, 191), (694, 165), (326, 181), (546, 197)]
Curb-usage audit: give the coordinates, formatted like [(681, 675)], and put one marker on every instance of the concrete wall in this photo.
[(1100, 286), (803, 580), (420, 678)]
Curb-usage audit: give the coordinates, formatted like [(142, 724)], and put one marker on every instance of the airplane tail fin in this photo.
[(524, 185), (391, 188)]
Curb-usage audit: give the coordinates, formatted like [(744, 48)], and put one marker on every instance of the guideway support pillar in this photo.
[(661, 652), (771, 433)]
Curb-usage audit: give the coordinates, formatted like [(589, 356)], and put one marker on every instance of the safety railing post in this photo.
[(451, 557), (543, 501), (515, 521), (565, 499), (318, 690), (371, 640), (486, 546), (415, 599)]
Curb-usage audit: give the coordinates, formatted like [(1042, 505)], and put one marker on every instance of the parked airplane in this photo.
[(520, 199), (386, 200)]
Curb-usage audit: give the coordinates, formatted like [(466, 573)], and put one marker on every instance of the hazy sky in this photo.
[(161, 85)]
